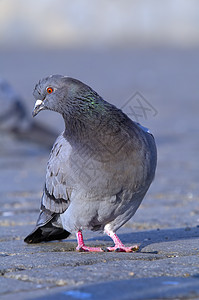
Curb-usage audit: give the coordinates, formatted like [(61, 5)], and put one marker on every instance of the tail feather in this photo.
[(48, 228)]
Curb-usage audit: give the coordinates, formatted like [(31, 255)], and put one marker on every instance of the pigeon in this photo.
[(99, 168), (15, 119)]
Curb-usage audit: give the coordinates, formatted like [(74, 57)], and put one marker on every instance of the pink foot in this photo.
[(89, 249), (81, 246), (119, 247)]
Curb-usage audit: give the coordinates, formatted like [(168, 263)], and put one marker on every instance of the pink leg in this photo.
[(81, 246), (118, 244)]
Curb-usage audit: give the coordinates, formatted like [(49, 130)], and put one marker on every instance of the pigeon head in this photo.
[(64, 95), (82, 108)]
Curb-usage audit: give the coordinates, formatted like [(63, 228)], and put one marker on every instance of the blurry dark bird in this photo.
[(15, 119), (99, 168)]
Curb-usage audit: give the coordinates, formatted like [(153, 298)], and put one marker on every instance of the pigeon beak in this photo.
[(38, 106)]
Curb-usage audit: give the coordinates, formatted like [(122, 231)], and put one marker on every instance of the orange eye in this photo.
[(49, 90)]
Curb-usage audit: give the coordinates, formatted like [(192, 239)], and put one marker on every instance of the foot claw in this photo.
[(104, 249), (123, 249), (81, 249), (119, 250), (135, 248)]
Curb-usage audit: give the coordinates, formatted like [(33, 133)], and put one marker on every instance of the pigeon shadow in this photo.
[(148, 237)]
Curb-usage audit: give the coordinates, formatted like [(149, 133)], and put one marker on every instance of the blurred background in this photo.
[(139, 55), (119, 48)]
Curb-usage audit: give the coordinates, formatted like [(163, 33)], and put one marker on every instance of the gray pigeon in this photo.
[(15, 119), (99, 168)]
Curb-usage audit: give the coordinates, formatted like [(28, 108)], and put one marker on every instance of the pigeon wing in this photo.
[(56, 196)]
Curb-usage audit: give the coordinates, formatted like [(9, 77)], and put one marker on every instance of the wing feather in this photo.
[(56, 196)]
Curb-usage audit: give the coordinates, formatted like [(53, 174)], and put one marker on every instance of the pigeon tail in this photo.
[(48, 228)]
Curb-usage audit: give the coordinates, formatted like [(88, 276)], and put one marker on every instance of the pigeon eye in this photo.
[(49, 90)]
